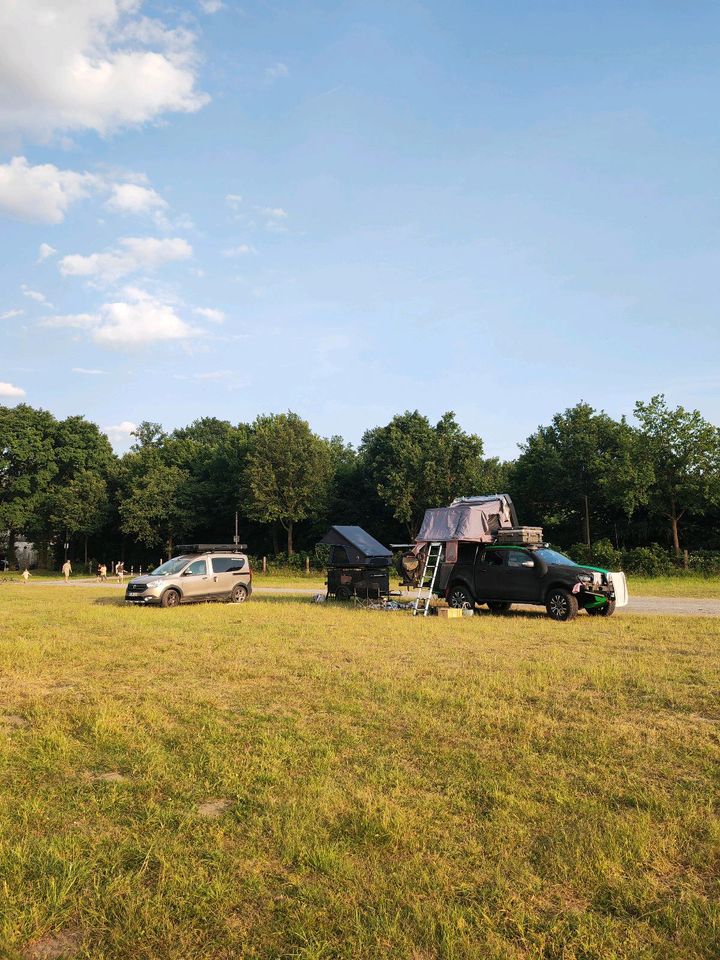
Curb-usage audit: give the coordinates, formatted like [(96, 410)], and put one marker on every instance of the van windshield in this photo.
[(170, 567), (552, 556)]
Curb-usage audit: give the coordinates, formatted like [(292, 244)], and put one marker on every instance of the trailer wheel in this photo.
[(343, 593), (459, 596), (498, 606), (561, 605), (606, 610)]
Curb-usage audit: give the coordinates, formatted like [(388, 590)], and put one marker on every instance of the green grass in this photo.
[(391, 787), (679, 586)]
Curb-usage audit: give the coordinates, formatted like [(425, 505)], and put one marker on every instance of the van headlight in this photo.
[(153, 583)]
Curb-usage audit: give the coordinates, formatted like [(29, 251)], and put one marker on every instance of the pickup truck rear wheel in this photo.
[(459, 596), (498, 606), (606, 610), (561, 604)]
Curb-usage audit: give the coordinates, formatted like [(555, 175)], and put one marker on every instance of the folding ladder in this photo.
[(433, 559)]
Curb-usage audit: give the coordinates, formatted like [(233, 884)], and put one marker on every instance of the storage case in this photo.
[(520, 535)]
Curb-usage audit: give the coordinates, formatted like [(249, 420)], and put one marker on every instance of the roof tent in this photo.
[(477, 519), (353, 546)]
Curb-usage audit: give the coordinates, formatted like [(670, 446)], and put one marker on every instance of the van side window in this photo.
[(227, 564), (198, 568)]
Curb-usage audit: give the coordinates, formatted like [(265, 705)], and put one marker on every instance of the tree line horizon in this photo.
[(583, 477)]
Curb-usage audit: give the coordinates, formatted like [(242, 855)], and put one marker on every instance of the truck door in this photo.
[(490, 575), (523, 580)]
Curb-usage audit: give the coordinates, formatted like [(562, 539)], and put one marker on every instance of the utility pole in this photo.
[(236, 538)]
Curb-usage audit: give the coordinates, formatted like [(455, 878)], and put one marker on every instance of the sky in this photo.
[(350, 209)]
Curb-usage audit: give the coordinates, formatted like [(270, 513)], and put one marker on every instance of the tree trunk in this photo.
[(85, 549), (674, 519), (586, 521), (170, 545), (290, 538), (12, 558), (276, 546)]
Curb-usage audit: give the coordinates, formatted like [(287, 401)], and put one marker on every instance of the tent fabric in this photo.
[(477, 521), (358, 538)]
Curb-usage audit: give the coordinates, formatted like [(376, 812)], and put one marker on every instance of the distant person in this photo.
[(66, 570), (103, 573), (120, 571), (26, 574)]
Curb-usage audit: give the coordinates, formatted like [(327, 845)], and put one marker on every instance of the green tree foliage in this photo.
[(288, 471), (581, 464), (684, 453), (28, 465), (413, 465)]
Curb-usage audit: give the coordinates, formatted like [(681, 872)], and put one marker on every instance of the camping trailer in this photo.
[(358, 564)]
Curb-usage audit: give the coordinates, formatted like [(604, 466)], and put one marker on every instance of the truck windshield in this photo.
[(170, 567), (552, 556)]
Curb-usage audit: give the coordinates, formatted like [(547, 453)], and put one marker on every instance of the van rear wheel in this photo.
[(239, 594)]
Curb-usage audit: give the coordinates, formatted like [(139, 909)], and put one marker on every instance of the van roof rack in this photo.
[(211, 547)]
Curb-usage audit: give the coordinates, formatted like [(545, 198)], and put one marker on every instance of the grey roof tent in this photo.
[(475, 519), (360, 547)]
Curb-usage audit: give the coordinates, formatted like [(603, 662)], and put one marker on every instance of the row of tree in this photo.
[(583, 476)]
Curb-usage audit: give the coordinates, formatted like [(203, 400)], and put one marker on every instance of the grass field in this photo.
[(287, 780)]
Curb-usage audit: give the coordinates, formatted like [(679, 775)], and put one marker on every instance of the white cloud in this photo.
[(36, 295), (121, 432), (43, 193), (138, 321), (239, 251), (211, 6), (132, 254), (233, 200), (90, 65), (9, 314), (90, 372), (276, 71), (45, 251), (133, 198), (216, 316), (9, 390), (210, 375), (273, 213)]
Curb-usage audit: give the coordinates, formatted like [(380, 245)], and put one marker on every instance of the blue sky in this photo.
[(350, 209)]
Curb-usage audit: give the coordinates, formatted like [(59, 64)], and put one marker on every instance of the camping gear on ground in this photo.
[(358, 565), (517, 536)]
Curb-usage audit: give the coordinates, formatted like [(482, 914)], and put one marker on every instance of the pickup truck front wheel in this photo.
[(561, 605), (459, 596), (606, 610)]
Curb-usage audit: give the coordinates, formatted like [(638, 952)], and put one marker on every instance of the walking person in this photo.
[(26, 574), (103, 573), (67, 570), (120, 571)]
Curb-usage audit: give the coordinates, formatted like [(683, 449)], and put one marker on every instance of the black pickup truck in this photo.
[(502, 575)]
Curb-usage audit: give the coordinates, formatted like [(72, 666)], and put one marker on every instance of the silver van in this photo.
[(201, 572)]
